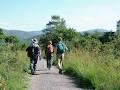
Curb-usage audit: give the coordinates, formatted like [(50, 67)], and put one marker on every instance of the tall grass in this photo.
[(12, 65), (96, 71)]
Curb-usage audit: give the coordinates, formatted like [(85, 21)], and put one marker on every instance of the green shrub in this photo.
[(12, 75), (101, 71)]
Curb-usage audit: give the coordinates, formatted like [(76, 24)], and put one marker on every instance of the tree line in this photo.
[(101, 43)]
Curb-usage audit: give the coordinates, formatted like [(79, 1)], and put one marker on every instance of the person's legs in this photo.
[(49, 61), (49, 64), (60, 58), (61, 63), (35, 62), (32, 65), (31, 61), (59, 66)]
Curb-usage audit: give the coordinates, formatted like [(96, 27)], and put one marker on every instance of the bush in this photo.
[(101, 71), (12, 75)]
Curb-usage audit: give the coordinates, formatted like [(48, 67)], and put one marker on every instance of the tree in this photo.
[(54, 23), (2, 36), (55, 28), (107, 37), (1, 31), (11, 39)]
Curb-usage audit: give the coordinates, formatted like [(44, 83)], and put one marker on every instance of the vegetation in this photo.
[(94, 71), (57, 27), (12, 66), (92, 57), (21, 35)]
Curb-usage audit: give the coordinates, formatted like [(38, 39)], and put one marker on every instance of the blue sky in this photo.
[(29, 15)]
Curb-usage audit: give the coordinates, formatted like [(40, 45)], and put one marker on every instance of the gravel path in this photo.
[(45, 79)]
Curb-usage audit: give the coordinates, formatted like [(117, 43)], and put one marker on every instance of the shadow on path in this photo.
[(80, 82)]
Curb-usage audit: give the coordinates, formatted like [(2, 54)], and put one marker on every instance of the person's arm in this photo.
[(51, 47), (45, 50), (65, 47), (56, 46), (40, 54), (27, 49)]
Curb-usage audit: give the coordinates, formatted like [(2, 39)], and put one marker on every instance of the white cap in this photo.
[(34, 40)]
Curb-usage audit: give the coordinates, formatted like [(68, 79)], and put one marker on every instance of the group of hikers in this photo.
[(34, 52)]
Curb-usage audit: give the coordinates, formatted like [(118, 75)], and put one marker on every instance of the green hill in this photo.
[(22, 35), (96, 30)]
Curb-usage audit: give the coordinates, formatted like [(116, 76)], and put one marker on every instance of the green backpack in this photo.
[(60, 48)]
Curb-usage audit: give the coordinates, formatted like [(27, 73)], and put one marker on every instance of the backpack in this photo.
[(60, 48), (50, 49), (30, 51)]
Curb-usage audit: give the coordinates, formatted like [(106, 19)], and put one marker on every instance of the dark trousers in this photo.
[(33, 60), (49, 61)]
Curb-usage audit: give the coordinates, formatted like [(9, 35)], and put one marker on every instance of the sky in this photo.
[(32, 15)]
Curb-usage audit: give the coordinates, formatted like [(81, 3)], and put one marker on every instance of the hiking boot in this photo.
[(60, 71), (48, 67)]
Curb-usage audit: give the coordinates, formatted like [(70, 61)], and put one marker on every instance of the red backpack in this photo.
[(50, 49)]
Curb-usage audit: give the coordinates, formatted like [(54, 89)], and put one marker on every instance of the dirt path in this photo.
[(50, 80)]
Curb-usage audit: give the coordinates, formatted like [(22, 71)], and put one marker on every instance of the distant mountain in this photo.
[(96, 30), (26, 36), (22, 35)]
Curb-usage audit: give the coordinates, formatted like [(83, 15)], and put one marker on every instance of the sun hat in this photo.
[(50, 42), (34, 40)]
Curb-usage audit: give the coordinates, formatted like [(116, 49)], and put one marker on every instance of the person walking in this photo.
[(61, 48), (49, 53), (34, 52)]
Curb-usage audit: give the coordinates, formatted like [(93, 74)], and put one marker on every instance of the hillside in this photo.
[(22, 35), (96, 30)]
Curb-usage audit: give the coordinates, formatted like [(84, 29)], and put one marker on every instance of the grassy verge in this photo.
[(12, 65), (94, 71)]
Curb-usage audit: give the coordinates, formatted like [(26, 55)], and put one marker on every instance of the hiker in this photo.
[(33, 51), (49, 53), (61, 47)]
